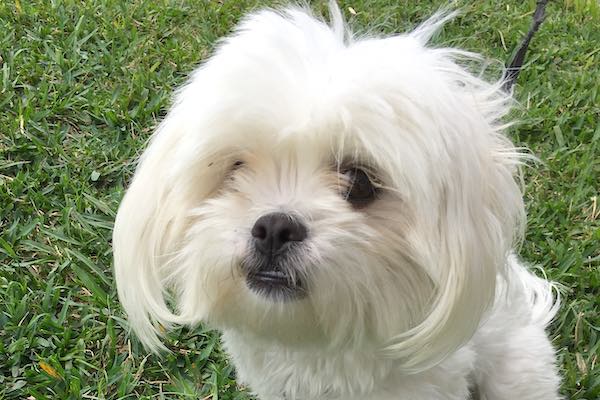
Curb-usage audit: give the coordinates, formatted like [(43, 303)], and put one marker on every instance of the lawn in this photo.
[(84, 83)]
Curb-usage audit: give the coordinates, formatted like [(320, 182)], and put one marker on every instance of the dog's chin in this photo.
[(276, 286)]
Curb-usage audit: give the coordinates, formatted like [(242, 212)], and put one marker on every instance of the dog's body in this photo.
[(343, 211)]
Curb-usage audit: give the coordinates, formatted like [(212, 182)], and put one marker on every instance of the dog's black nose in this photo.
[(273, 231)]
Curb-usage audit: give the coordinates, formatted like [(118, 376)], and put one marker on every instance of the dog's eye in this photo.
[(361, 191), (237, 165)]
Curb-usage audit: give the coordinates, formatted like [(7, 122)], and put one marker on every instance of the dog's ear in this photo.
[(476, 215), (146, 230), (173, 176), (479, 217)]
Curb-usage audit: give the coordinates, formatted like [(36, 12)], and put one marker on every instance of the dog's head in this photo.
[(310, 187)]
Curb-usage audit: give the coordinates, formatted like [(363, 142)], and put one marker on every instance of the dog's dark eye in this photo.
[(361, 191), (237, 164)]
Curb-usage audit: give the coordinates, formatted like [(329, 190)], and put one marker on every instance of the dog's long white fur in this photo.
[(416, 296)]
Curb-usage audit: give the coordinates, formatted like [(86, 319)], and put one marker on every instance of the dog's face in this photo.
[(307, 188), (301, 236)]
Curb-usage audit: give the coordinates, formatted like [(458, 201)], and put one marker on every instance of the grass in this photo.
[(84, 83)]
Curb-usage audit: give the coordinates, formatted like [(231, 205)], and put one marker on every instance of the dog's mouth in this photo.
[(276, 285)]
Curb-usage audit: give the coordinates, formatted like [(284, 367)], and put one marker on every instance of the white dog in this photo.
[(343, 209)]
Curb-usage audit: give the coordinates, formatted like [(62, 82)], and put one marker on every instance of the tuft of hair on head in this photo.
[(337, 22), (425, 31)]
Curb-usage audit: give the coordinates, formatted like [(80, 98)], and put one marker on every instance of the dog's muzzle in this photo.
[(270, 269)]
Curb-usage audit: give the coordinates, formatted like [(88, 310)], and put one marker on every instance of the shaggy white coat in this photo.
[(416, 296)]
